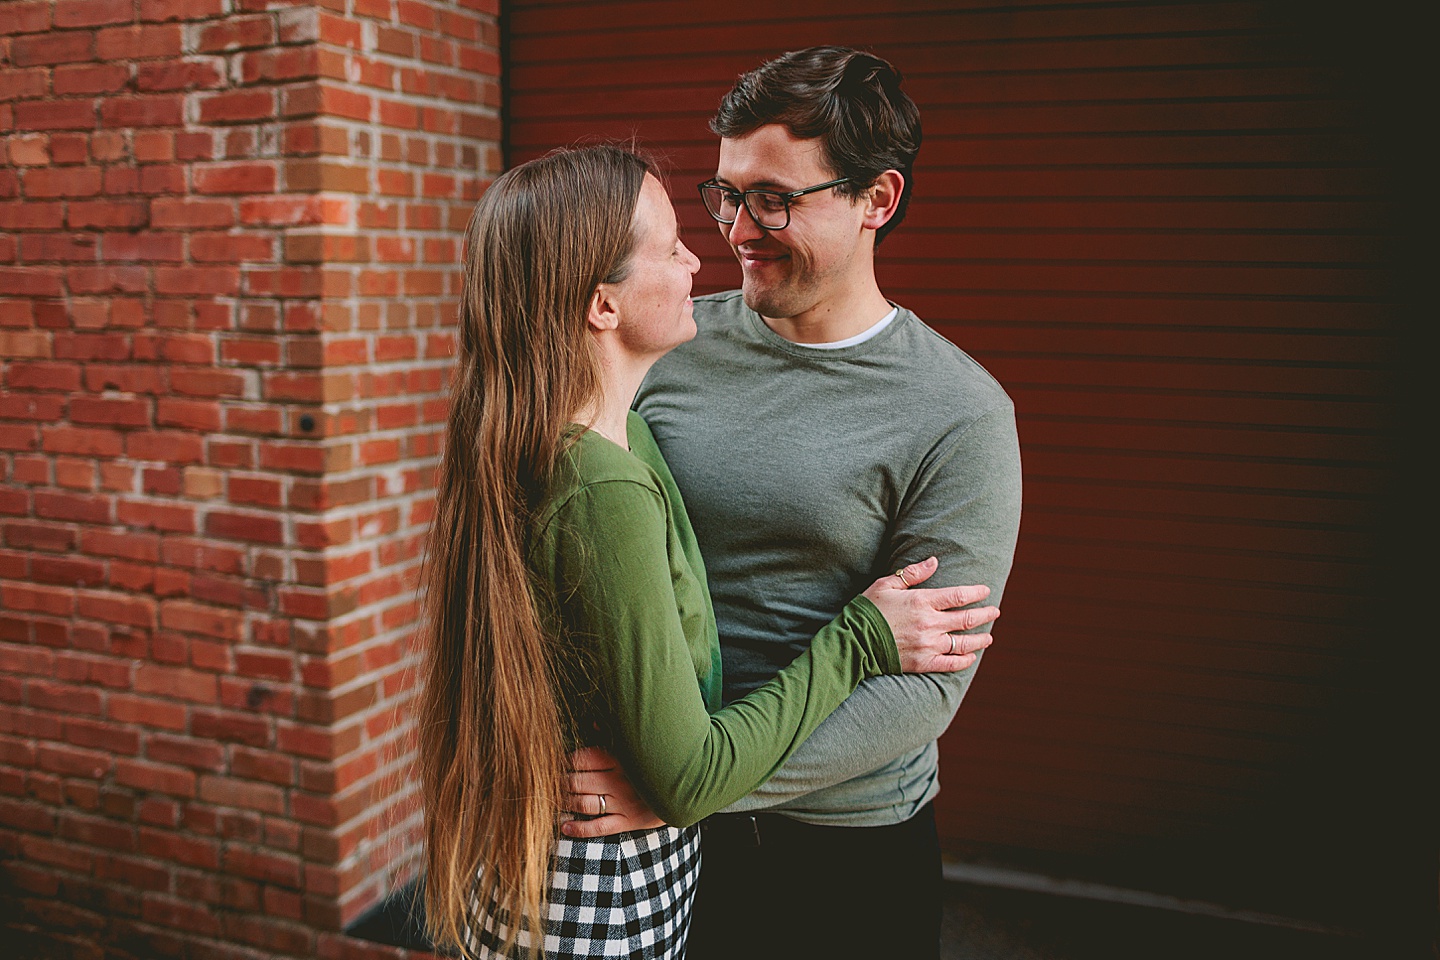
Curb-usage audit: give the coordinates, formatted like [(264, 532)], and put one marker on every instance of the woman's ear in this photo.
[(883, 199), (604, 312)]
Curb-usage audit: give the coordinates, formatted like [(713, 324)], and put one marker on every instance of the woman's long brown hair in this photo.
[(493, 729)]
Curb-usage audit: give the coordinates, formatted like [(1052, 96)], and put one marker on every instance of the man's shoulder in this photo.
[(723, 334), (720, 313), (942, 367), (726, 301)]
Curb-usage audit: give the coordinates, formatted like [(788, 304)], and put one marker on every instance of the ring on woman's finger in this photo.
[(901, 574), (602, 804)]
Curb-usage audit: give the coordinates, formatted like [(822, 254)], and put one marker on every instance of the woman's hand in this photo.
[(595, 774), (927, 623)]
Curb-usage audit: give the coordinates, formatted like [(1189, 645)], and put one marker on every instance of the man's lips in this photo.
[(760, 256)]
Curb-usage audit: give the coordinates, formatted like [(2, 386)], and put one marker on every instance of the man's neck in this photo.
[(836, 318)]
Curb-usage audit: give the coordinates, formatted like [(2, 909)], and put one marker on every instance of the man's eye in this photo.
[(769, 201)]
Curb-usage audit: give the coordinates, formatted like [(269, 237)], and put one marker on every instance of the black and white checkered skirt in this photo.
[(623, 896)]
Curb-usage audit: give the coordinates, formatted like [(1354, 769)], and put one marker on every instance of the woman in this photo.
[(566, 601)]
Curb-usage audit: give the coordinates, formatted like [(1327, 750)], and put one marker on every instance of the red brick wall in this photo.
[(229, 232)]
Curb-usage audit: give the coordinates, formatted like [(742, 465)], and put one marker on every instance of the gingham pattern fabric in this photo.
[(623, 896)]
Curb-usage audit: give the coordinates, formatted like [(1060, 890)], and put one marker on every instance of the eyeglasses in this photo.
[(770, 210)]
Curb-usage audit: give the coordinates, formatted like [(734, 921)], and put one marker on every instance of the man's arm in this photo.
[(964, 508), (873, 727), (922, 621)]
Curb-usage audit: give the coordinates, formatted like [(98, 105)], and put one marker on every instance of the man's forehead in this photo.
[(771, 156)]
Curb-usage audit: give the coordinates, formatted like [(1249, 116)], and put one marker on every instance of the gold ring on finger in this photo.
[(602, 805), (901, 574)]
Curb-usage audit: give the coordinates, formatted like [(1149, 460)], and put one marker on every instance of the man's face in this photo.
[(788, 272)]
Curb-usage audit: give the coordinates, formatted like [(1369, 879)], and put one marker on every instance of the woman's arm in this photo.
[(611, 565), (596, 773)]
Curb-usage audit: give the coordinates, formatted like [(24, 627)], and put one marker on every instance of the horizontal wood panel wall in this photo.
[(1163, 227)]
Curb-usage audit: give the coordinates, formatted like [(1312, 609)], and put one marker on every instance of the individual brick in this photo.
[(92, 13)]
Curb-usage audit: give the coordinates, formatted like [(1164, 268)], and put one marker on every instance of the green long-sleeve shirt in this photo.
[(631, 596)]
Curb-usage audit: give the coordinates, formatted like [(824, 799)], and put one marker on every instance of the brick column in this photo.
[(229, 237)]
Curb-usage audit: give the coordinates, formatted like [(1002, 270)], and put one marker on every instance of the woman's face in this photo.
[(656, 314)]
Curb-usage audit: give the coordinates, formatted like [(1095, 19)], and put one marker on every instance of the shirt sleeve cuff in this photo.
[(876, 630)]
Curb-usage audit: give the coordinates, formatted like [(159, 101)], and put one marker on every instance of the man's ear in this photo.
[(604, 312), (883, 199)]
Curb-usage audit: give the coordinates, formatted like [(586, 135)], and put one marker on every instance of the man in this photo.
[(822, 436)]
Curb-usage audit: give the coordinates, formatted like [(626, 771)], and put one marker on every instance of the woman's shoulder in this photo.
[(642, 442), (593, 458), (596, 471)]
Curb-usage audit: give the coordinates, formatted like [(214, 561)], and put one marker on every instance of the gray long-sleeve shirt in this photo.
[(808, 473)]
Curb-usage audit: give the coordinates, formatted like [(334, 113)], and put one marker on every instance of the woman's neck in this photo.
[(620, 378)]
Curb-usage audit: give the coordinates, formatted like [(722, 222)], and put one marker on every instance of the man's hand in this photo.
[(594, 774)]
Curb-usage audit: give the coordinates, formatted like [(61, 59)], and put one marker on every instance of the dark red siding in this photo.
[(1165, 228)]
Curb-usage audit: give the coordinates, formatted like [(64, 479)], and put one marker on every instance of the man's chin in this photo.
[(766, 301)]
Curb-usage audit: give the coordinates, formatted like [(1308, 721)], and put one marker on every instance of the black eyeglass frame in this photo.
[(744, 196)]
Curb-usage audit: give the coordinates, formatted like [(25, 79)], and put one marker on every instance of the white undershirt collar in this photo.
[(861, 337)]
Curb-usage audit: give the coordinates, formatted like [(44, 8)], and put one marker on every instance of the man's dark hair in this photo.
[(850, 100)]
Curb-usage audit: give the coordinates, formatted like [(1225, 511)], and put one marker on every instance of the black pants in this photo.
[(810, 891)]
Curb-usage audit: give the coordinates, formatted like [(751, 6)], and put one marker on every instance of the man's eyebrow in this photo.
[(757, 185)]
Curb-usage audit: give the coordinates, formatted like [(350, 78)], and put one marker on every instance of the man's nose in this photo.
[(744, 228)]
